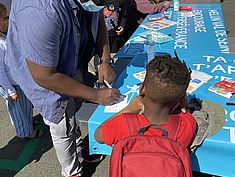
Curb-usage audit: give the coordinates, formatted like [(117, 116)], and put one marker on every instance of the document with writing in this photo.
[(116, 107)]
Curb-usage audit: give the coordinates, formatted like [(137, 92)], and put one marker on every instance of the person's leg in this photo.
[(64, 135), (23, 114), (3, 94), (115, 44)]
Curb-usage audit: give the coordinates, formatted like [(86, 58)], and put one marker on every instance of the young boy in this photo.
[(115, 21), (18, 106), (161, 93)]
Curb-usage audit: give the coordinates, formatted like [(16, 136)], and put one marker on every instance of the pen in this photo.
[(107, 84), (230, 104)]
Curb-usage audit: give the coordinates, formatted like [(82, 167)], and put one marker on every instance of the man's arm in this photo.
[(124, 14), (106, 72), (40, 42), (144, 6), (50, 79), (102, 43)]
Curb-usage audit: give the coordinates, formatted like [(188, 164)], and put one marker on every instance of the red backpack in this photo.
[(142, 155)]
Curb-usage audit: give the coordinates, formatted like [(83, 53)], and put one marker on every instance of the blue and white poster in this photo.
[(200, 29)]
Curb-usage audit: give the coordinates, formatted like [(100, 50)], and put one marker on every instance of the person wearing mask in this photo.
[(50, 43), (18, 106)]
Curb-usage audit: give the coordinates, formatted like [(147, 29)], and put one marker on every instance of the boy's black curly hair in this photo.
[(166, 79)]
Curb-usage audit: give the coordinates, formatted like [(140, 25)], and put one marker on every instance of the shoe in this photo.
[(83, 151), (37, 134), (94, 158)]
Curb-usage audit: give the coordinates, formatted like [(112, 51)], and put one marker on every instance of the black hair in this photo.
[(166, 79)]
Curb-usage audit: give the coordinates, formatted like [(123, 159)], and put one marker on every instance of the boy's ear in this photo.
[(142, 90)]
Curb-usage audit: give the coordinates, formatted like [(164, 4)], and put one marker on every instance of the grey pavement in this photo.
[(21, 158), (229, 15)]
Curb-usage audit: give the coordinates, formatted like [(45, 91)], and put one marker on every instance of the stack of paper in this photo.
[(198, 79), (225, 88), (157, 37)]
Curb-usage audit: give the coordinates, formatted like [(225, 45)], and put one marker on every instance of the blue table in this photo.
[(203, 53), (215, 156), (204, 32)]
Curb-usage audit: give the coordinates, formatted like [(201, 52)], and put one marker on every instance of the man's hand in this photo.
[(120, 30), (107, 96), (106, 72), (14, 97)]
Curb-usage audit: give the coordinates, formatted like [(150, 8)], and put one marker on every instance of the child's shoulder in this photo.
[(187, 119), (118, 119), (186, 116), (187, 129)]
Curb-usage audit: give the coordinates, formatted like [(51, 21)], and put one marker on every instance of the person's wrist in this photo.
[(95, 96), (109, 61)]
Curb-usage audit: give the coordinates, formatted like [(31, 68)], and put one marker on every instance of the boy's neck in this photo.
[(156, 113)]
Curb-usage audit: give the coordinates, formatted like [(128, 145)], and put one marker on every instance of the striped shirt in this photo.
[(6, 81)]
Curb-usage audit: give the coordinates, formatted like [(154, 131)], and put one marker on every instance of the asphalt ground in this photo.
[(21, 158)]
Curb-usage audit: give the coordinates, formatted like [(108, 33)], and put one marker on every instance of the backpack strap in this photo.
[(132, 123), (142, 129), (174, 126)]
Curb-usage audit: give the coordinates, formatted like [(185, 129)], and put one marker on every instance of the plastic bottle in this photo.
[(150, 47), (176, 5)]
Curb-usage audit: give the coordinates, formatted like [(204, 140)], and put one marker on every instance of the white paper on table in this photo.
[(139, 39), (198, 78), (140, 75), (156, 24), (116, 107), (200, 75)]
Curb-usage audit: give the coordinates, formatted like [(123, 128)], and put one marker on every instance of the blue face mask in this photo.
[(90, 6)]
